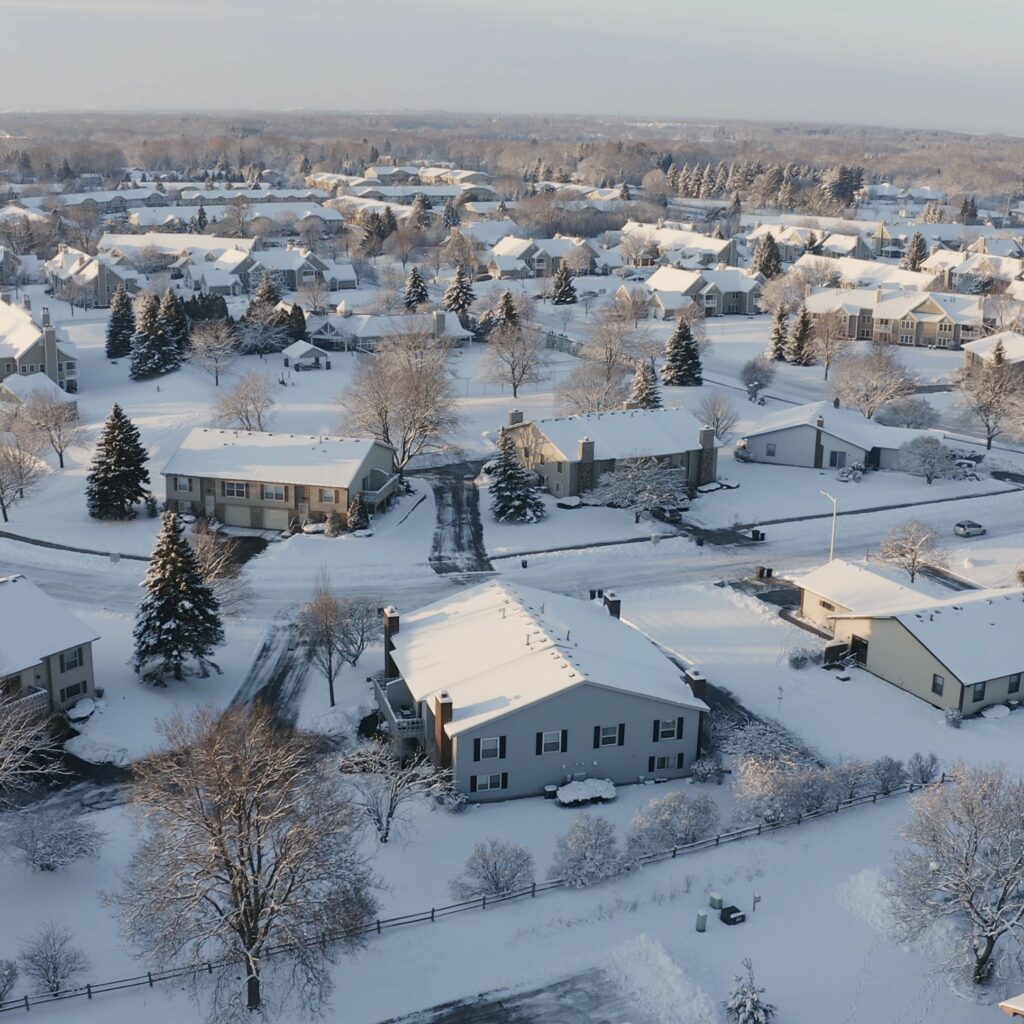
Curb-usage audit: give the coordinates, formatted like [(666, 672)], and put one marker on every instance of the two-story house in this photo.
[(27, 348), (516, 689)]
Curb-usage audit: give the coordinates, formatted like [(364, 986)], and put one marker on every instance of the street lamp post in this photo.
[(835, 512)]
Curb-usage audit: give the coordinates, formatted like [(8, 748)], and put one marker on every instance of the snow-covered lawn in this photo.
[(741, 644)]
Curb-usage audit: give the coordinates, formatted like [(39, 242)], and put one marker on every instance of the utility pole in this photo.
[(835, 513)]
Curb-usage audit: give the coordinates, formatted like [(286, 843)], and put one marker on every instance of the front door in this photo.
[(859, 649), (303, 511), (211, 506)]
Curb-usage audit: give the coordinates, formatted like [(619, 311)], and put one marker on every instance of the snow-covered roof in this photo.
[(867, 273), (672, 237), (319, 461), (18, 331), (731, 279), (23, 385), (846, 424), (672, 279), (171, 242), (298, 349), (624, 433), (35, 625), (1013, 346), (857, 587), (974, 633), (369, 325), (499, 647), (489, 232)]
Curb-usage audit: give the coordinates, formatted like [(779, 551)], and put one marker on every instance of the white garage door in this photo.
[(237, 515), (275, 519)]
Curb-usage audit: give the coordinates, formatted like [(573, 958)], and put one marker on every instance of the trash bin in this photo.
[(759, 570), (732, 915), (524, 563), (699, 541), (702, 920), (550, 792)]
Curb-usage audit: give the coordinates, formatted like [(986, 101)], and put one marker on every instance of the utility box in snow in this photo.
[(702, 920), (715, 901), (732, 915)]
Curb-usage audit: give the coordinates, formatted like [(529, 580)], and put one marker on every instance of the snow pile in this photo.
[(585, 792), (97, 750), (657, 984), (313, 528), (863, 896), (82, 709), (996, 711)]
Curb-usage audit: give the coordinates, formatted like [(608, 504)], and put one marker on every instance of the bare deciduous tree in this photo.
[(320, 625), (925, 456), (785, 293), (214, 347), (21, 465), (221, 566), (516, 355), (382, 784), (248, 845), (403, 395), (51, 959), (990, 396), (718, 413), (314, 293), (494, 867), (911, 546), (828, 338), (404, 242), (867, 382), (28, 753), (55, 421), (965, 865), (632, 305), (360, 626), (641, 485), (911, 412), (8, 978), (248, 405), (756, 375)]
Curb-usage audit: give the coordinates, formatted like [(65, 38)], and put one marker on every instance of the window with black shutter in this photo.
[(679, 727), (679, 760)]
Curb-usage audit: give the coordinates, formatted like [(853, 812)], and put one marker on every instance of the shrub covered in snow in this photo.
[(585, 791), (799, 657), (333, 525), (587, 853), (494, 867), (954, 718), (852, 779), (889, 774), (746, 1003), (766, 740), (8, 978), (48, 840), (707, 769), (671, 821), (922, 768)]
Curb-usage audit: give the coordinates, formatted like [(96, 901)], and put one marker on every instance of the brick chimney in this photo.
[(585, 470), (391, 624), (442, 741), (820, 422), (45, 312), (707, 468), (515, 416), (438, 321), (613, 604)]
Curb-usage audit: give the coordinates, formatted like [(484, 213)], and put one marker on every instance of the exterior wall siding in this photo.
[(794, 446)]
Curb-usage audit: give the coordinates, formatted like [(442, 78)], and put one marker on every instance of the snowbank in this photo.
[(585, 791)]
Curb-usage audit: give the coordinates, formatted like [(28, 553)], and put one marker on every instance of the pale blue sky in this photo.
[(928, 63)]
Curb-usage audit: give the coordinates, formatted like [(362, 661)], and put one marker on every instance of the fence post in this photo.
[(149, 974), (837, 807), (533, 890), (209, 967), (483, 902), (673, 852), (874, 798), (717, 838), (431, 915), (759, 828), (27, 1007), (943, 777), (910, 788), (88, 990), (378, 926)]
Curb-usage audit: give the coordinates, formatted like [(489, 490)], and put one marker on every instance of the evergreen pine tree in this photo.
[(766, 257), (458, 296), (421, 210), (645, 391), (563, 291), (917, 252), (201, 219), (450, 216), (415, 290), (514, 498), (798, 345), (266, 291), (179, 618), (121, 325), (779, 336), (118, 476), (174, 325), (151, 353), (358, 517), (813, 246), (332, 524), (296, 325), (505, 313), (624, 192), (389, 223), (745, 1004), (682, 359)]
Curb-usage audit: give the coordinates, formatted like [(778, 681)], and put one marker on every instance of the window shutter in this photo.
[(622, 733), (504, 780), (476, 750), (501, 747), (657, 729), (285, 492), (565, 740), (62, 663), (679, 727), (679, 760), (540, 743), (650, 764), (223, 488), (245, 488), (472, 783), (597, 736)]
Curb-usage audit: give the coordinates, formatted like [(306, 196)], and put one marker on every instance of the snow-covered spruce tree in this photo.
[(121, 325), (563, 291), (152, 355), (357, 517), (917, 252), (799, 344), (332, 525), (118, 477), (505, 312), (174, 323), (179, 618), (779, 336), (415, 290), (682, 359), (514, 499), (458, 296), (645, 391), (450, 215), (766, 257), (746, 1004), (296, 325), (266, 291)]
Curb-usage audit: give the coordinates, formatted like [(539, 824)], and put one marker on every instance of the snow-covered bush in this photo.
[(888, 774), (670, 821), (450, 798), (766, 740), (48, 840), (742, 454), (332, 524), (494, 867), (922, 768), (585, 791), (777, 791), (707, 769), (853, 472), (953, 718), (50, 959), (746, 1004), (8, 978), (799, 657), (852, 779), (587, 853)]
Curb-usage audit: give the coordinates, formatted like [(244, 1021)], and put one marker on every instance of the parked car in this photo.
[(968, 528), (667, 514)]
